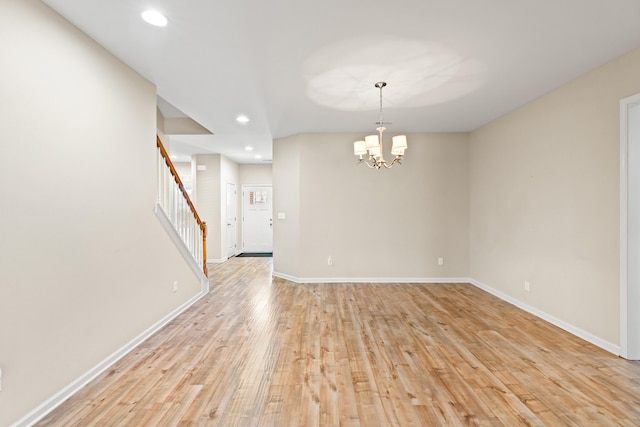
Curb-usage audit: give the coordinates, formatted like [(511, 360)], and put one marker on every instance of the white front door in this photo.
[(257, 219), (231, 219)]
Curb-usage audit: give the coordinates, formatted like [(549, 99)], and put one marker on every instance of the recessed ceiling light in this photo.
[(258, 156), (248, 148), (154, 17), (242, 119)]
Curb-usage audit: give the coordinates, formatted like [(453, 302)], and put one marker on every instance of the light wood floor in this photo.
[(259, 351)]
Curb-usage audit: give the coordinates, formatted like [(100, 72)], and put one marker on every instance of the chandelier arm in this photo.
[(396, 160), (378, 162), (366, 163)]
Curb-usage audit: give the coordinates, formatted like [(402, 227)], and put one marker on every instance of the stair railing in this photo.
[(177, 205)]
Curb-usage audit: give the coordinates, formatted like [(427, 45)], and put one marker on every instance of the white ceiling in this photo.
[(298, 66)]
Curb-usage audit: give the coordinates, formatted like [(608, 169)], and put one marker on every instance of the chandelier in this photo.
[(372, 144)]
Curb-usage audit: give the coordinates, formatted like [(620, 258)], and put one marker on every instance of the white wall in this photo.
[(375, 224), (544, 203), (85, 265)]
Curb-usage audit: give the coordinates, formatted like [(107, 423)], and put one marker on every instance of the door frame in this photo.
[(629, 315), (235, 208)]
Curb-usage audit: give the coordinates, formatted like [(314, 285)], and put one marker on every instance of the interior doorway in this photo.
[(630, 227), (257, 219)]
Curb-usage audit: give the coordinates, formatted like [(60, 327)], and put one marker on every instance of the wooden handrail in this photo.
[(201, 223)]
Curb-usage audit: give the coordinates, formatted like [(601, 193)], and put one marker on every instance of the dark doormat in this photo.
[(255, 254)]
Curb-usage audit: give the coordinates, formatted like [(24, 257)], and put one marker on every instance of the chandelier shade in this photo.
[(372, 144), (359, 148), (399, 145)]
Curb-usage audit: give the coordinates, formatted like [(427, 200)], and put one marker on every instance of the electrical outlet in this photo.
[(440, 261), (329, 260), (527, 286), (175, 286)]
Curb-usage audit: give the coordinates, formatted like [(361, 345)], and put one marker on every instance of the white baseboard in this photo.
[(597, 341), (56, 400), (216, 261), (371, 279)]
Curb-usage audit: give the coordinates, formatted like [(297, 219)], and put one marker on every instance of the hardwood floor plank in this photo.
[(262, 351)]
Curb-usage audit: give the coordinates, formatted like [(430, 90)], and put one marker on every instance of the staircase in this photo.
[(176, 207)]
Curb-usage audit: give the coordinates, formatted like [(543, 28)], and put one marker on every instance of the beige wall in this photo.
[(207, 198), (85, 264), (211, 200), (286, 200), (256, 174), (544, 200), (185, 173), (379, 225), (160, 124)]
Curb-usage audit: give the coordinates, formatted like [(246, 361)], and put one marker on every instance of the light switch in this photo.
[(282, 215)]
